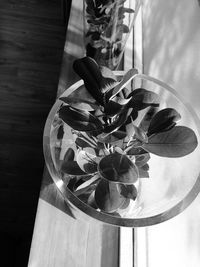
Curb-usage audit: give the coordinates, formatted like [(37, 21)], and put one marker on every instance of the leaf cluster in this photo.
[(115, 132)]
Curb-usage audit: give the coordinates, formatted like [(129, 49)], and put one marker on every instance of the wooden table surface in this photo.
[(59, 238)]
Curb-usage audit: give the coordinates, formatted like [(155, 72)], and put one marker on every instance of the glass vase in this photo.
[(107, 25)]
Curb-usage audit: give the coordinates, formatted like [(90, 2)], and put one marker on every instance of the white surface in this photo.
[(171, 37)]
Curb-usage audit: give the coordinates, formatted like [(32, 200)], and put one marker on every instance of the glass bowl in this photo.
[(172, 185)]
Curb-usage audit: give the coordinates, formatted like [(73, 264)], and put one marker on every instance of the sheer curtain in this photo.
[(171, 52)]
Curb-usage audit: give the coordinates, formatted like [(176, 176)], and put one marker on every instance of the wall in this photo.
[(171, 52)]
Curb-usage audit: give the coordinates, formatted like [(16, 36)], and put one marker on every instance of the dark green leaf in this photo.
[(112, 108), (71, 168), (107, 196), (95, 82), (142, 98), (164, 120), (128, 191), (125, 28), (144, 124), (118, 168), (177, 142), (80, 99), (81, 142), (69, 155), (79, 120), (89, 71)]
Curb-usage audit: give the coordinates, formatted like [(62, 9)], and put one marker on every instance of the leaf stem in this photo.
[(115, 16), (87, 139), (135, 143)]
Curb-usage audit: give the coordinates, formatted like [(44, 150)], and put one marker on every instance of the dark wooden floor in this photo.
[(32, 36)]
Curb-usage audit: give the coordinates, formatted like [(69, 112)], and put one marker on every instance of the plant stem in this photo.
[(114, 28), (136, 143), (88, 140)]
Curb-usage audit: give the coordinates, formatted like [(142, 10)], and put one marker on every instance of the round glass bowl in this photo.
[(172, 185)]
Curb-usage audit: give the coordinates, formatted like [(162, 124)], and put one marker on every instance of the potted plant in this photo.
[(116, 128), (107, 27)]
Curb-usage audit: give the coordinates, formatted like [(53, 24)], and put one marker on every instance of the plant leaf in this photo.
[(83, 143), (107, 73), (110, 80), (87, 187), (71, 168), (141, 163), (139, 134), (87, 162), (113, 138), (125, 80), (128, 10), (118, 122), (163, 120), (78, 180), (144, 123), (108, 197), (112, 108), (79, 120), (69, 155), (177, 142), (141, 160), (89, 71), (125, 28), (142, 98), (118, 168), (132, 117), (143, 171), (128, 191), (136, 151), (80, 99), (96, 79), (121, 101)]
